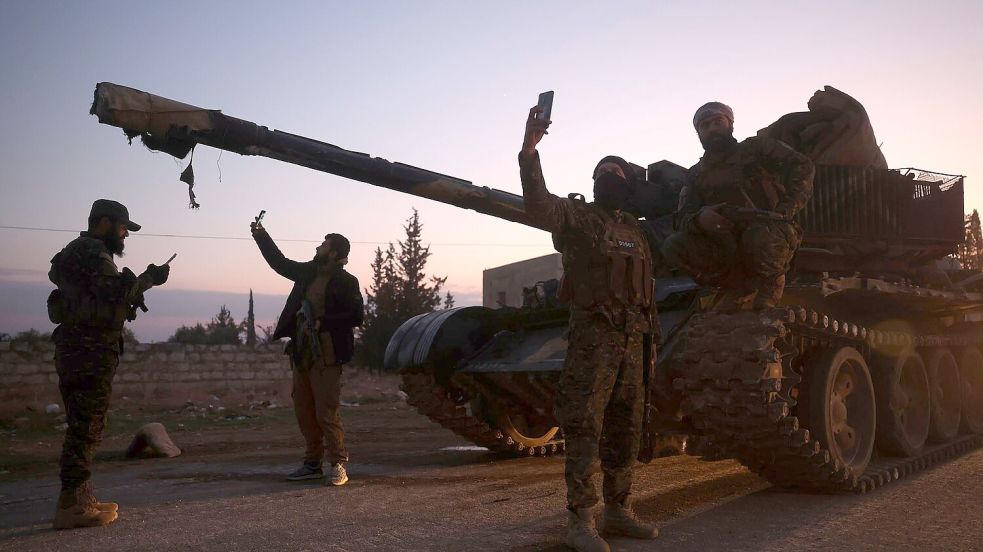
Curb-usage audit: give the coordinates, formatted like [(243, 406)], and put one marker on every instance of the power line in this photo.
[(236, 238)]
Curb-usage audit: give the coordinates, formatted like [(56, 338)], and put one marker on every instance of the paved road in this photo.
[(407, 493)]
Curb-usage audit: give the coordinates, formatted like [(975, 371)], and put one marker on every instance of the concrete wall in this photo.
[(159, 374), (506, 281)]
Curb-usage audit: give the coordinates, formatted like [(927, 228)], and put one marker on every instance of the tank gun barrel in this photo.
[(175, 128)]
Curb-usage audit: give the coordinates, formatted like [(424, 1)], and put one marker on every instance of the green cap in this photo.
[(113, 209)]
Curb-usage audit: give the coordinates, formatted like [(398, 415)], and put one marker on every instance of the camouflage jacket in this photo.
[(93, 298), (578, 229), (760, 173)]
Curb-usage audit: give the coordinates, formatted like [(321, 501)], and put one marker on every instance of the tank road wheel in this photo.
[(971, 378), (518, 425), (525, 431), (903, 403), (947, 394), (841, 407)]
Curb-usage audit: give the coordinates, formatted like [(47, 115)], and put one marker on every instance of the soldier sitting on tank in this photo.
[(607, 280), (735, 226)]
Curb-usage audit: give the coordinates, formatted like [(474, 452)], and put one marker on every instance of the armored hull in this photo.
[(871, 371)]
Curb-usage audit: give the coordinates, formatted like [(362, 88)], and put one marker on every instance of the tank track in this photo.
[(432, 400), (737, 394)]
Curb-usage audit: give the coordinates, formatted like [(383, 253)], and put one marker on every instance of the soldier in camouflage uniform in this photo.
[(92, 302), (608, 282), (735, 217)]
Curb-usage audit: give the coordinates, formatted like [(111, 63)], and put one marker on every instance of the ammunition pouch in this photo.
[(619, 271), (99, 309), (109, 315), (56, 307)]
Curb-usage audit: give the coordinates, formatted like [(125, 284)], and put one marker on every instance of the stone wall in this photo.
[(159, 374)]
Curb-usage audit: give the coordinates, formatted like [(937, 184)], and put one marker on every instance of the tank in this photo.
[(870, 371)]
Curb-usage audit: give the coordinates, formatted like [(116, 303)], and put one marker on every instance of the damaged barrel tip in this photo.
[(162, 124)]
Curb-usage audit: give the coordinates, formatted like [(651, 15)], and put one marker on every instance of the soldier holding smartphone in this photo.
[(323, 308), (607, 279), (93, 301)]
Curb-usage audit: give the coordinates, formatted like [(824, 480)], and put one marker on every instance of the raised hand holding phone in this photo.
[(537, 123), (257, 225)]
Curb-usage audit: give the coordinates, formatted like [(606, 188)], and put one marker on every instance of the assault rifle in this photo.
[(646, 450), (131, 310), (310, 328), (748, 214)]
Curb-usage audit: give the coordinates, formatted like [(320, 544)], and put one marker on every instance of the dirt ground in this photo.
[(30, 441), (416, 486)]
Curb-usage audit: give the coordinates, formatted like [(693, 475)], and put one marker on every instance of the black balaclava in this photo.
[(610, 190)]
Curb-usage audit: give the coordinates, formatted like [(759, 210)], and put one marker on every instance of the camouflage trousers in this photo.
[(600, 400), (85, 379), (752, 258)]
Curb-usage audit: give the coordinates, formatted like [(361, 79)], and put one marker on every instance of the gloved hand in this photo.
[(158, 274)]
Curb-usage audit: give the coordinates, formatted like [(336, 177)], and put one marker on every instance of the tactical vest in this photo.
[(617, 271), (88, 304), (739, 180)]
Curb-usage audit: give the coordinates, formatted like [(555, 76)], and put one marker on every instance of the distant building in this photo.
[(502, 285)]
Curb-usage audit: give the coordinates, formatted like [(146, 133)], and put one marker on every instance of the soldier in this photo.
[(322, 309), (607, 267), (735, 224), (92, 302)]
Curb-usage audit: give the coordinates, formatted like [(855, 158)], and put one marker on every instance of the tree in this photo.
[(380, 310), (400, 290), (250, 323), (415, 294), (267, 333), (222, 330), (970, 252), (190, 335)]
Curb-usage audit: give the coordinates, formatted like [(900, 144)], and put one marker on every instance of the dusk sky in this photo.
[(440, 85)]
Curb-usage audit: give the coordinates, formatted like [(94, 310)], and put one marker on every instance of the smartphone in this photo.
[(546, 102), (259, 218)]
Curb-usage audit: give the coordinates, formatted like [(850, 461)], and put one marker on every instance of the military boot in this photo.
[(582, 532), (619, 519), (85, 491), (78, 508)]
